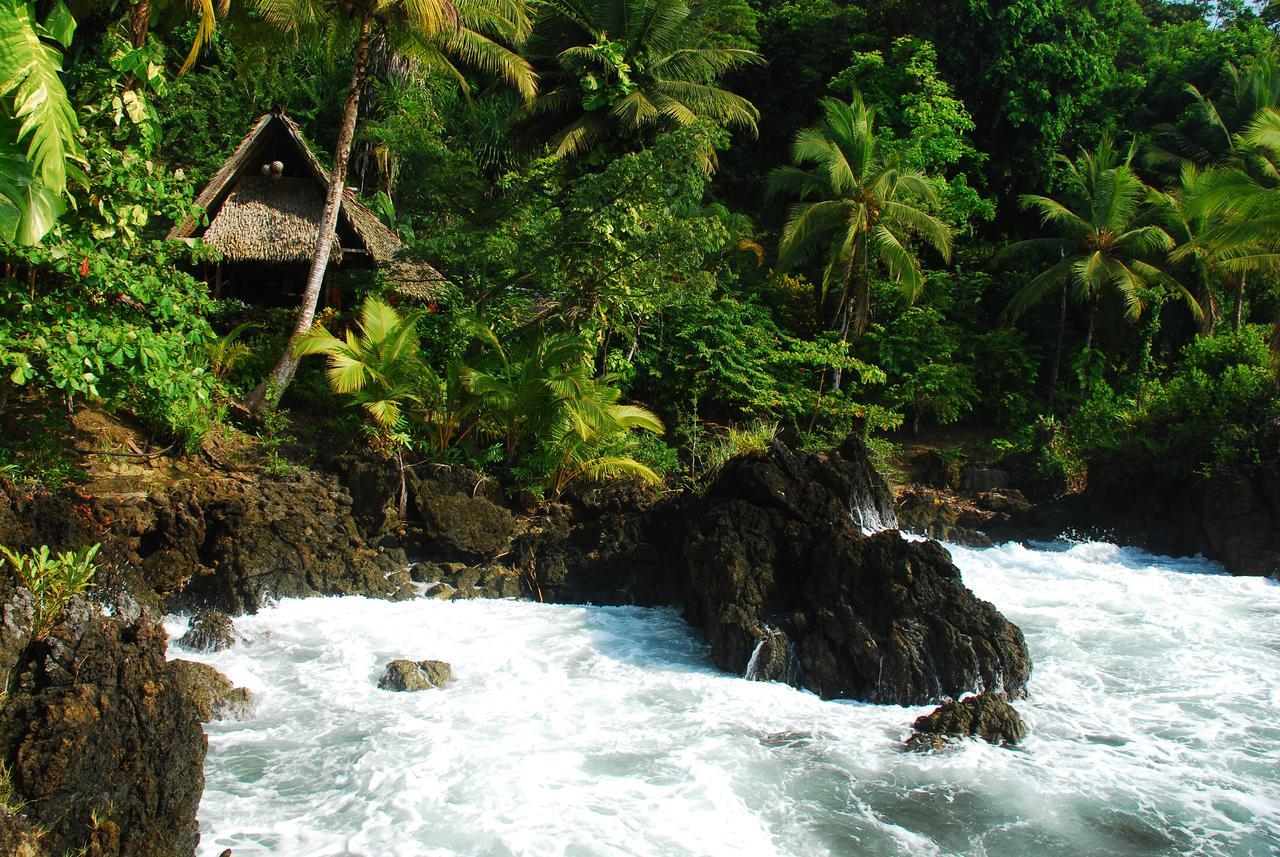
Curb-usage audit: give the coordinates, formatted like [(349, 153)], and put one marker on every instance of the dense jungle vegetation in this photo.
[(670, 229)]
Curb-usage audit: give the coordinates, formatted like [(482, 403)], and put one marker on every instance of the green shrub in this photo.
[(52, 580)]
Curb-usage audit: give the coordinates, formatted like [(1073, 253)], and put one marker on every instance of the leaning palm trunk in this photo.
[(270, 390)]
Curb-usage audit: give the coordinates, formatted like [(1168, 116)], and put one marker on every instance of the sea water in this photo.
[(1153, 719)]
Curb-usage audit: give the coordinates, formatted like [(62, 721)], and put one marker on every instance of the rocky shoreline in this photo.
[(101, 736)]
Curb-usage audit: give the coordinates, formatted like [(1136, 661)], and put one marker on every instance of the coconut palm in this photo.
[(541, 399), (378, 367), (1224, 245), (859, 209), (1220, 139), (586, 441), (612, 67), (431, 36), (1102, 240)]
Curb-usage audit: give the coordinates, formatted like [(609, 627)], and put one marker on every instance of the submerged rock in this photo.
[(775, 548), (209, 631), (988, 716), (405, 675), (213, 694), (100, 743)]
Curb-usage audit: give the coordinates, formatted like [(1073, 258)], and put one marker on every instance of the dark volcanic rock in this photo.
[(774, 549), (17, 614), (101, 744), (19, 837), (988, 716), (213, 694), (209, 631), (404, 675), (227, 542), (616, 544)]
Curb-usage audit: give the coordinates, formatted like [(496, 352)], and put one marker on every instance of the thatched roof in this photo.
[(269, 220), (257, 218)]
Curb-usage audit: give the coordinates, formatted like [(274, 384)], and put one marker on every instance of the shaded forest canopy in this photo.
[(670, 230)]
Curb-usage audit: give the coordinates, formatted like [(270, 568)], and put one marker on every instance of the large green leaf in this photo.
[(30, 71)]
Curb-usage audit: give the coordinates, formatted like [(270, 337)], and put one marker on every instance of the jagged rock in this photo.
[(481, 581), (465, 527), (229, 542), (209, 631), (101, 744), (405, 675), (213, 694), (19, 837), (988, 716), (775, 543), (425, 572), (17, 614)]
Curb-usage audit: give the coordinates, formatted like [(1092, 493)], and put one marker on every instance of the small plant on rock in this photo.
[(52, 580)]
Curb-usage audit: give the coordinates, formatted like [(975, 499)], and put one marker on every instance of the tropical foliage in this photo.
[(917, 221)]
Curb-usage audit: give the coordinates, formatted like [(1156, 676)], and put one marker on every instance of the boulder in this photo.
[(213, 694), (776, 548), (100, 742), (19, 837), (405, 675), (988, 716), (209, 631)]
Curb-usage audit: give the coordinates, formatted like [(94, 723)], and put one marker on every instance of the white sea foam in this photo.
[(575, 731)]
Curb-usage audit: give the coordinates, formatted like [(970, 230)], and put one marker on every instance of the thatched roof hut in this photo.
[(264, 208)]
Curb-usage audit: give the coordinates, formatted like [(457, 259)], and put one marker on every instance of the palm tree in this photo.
[(542, 401), (623, 66), (585, 442), (520, 390), (1222, 243), (431, 35), (1220, 139), (379, 368), (1101, 242), (859, 208)]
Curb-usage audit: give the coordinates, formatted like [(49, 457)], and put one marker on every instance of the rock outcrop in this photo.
[(407, 676), (100, 743), (212, 693), (988, 716), (227, 542), (775, 560), (209, 631)]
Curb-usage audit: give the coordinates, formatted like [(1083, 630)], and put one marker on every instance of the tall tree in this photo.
[(430, 35), (612, 67), (1101, 238), (860, 209)]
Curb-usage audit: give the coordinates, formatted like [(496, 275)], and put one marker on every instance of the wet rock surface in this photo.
[(209, 631), (100, 743), (407, 676), (988, 716), (212, 693), (774, 550)]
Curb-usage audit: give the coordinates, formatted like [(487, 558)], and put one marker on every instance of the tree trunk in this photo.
[(841, 324), (1057, 349), (139, 22), (1093, 316), (278, 381), (1239, 319)]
